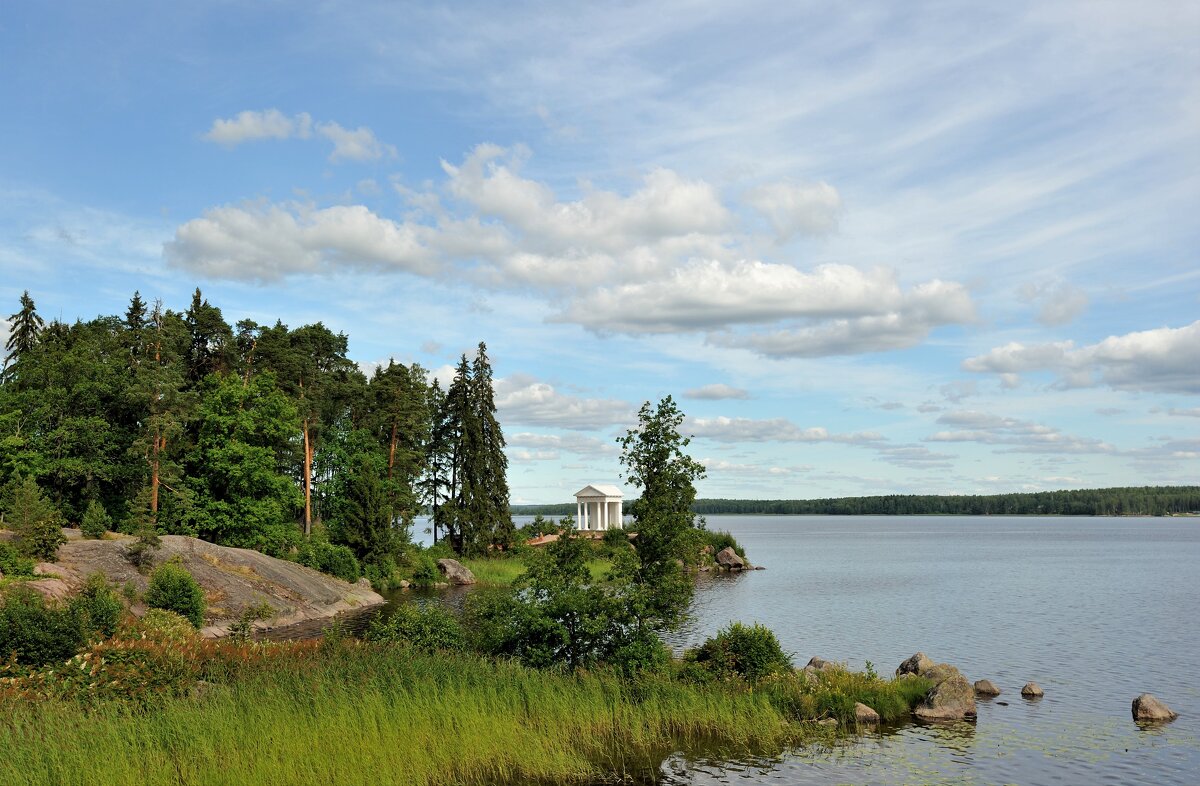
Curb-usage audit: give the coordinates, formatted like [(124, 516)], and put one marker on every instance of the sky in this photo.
[(869, 248)]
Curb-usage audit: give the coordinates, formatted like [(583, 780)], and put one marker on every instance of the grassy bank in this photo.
[(357, 713), (502, 572)]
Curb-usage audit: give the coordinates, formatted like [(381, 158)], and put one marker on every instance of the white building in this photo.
[(598, 507)]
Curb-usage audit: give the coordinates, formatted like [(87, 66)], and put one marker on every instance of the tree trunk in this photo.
[(158, 443), (392, 451), (308, 457)]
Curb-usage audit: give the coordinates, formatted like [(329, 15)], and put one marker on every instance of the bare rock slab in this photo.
[(1147, 708), (986, 688), (1032, 691), (455, 572)]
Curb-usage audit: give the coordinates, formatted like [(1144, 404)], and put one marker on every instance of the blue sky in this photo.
[(869, 248)]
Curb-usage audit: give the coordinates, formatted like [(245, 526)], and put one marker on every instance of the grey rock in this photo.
[(364, 583), (819, 665), (917, 664), (864, 714), (827, 722), (986, 688), (728, 558), (455, 572), (951, 698), (1147, 708), (1032, 691)]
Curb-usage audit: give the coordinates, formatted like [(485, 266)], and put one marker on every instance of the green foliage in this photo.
[(100, 605), (539, 526), (429, 628), (13, 563), (425, 570), (751, 652), (35, 520), (36, 633), (720, 540), (173, 588), (242, 628), (96, 521), (336, 560)]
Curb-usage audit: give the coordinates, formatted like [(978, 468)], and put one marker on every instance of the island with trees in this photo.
[(245, 448)]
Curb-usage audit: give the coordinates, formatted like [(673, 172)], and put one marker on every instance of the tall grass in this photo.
[(353, 712), (503, 571)]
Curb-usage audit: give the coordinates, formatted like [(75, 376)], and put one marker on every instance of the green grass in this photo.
[(503, 571), (360, 713)]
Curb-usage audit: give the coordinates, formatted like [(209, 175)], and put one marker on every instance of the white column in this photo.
[(578, 515), (620, 514)]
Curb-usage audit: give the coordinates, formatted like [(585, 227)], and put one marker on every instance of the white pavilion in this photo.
[(598, 507)]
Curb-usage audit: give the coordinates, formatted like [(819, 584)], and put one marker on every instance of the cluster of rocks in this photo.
[(951, 698)]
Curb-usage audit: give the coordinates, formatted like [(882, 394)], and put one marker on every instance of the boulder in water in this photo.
[(864, 714), (455, 572), (950, 699), (917, 664), (728, 558), (1032, 691), (1147, 708), (986, 688)]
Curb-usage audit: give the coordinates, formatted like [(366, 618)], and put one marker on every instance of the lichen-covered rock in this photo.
[(864, 714), (1149, 709), (917, 664), (455, 572), (728, 558), (1032, 691), (950, 699), (986, 688)]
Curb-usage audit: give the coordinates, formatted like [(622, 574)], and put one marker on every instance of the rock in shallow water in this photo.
[(1032, 691), (455, 572), (728, 558), (986, 688), (917, 664), (864, 714), (951, 698), (1147, 708)]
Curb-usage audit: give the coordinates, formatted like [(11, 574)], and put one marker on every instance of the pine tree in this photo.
[(25, 330), (491, 507), (439, 457)]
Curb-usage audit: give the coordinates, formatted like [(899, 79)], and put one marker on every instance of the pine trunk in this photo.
[(308, 456)]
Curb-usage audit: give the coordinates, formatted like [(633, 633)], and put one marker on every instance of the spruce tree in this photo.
[(25, 328), (495, 523)]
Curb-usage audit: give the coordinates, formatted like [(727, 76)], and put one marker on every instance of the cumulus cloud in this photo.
[(5, 329), (528, 401), (264, 242), (721, 467), (1193, 412), (717, 392), (915, 457), (1159, 360), (795, 209), (724, 429), (250, 126), (359, 144), (1019, 436)]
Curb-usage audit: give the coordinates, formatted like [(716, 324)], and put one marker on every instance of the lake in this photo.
[(1095, 610)]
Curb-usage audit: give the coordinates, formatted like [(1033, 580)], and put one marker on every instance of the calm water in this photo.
[(1096, 610)]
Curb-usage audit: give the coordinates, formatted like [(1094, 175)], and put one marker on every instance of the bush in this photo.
[(721, 540), (99, 605), (34, 519), (35, 633), (748, 651), (173, 588), (425, 571), (429, 629), (12, 563), (96, 521), (338, 561)]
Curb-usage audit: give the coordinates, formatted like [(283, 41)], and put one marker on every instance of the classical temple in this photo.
[(598, 507)]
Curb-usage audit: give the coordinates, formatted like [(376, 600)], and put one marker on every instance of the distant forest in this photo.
[(1132, 501)]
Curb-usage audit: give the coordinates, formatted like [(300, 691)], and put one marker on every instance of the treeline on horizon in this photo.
[(1122, 501), (252, 435)]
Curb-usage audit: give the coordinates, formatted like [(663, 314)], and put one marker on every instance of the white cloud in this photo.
[(570, 443), (717, 392), (724, 429), (1161, 360), (721, 467), (1020, 436), (528, 401), (1194, 412), (5, 328), (359, 144), (251, 126), (263, 242), (794, 209), (1058, 303)]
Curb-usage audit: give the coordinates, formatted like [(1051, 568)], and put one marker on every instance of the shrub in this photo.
[(12, 563), (429, 629), (338, 561), (616, 538), (160, 625), (35, 633), (748, 651), (99, 605), (173, 588), (96, 521), (720, 540), (425, 571)]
